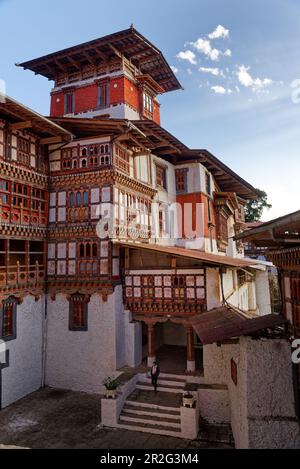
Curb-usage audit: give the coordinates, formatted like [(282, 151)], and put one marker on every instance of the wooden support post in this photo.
[(191, 365), (151, 344)]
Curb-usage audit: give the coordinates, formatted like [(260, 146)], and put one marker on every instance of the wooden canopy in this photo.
[(21, 117), (129, 43), (226, 323), (278, 233), (201, 256)]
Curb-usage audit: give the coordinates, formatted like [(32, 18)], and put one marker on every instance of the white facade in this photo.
[(24, 373)]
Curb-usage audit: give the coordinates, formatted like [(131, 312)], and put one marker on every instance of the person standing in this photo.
[(155, 371)]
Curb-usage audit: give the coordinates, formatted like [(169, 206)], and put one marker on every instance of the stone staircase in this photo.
[(166, 383), (145, 411)]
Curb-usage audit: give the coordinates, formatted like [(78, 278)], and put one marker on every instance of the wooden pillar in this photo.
[(151, 344), (191, 365)]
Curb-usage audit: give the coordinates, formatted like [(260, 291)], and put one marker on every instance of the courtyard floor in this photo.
[(57, 419)]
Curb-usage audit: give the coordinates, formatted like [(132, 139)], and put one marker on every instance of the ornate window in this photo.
[(148, 105), (23, 151), (103, 95), (208, 183), (69, 103), (8, 319), (181, 180), (161, 176), (78, 314)]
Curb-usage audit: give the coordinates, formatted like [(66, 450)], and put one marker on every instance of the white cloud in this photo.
[(221, 90), (219, 32), (204, 46), (213, 71), (228, 53), (256, 84), (189, 71), (187, 55), (218, 89), (174, 69)]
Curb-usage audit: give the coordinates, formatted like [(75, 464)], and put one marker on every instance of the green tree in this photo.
[(254, 208)]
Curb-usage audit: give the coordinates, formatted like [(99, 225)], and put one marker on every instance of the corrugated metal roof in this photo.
[(205, 257), (225, 323)]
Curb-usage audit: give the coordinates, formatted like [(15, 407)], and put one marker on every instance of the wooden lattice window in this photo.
[(78, 313), (181, 180), (161, 176), (179, 284), (103, 95), (8, 319), (208, 183), (23, 151), (69, 103)]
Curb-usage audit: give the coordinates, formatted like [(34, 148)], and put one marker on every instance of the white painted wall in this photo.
[(213, 291), (82, 360), (262, 404), (24, 374), (263, 297)]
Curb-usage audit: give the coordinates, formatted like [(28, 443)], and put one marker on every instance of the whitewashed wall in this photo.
[(82, 360), (24, 374), (262, 403)]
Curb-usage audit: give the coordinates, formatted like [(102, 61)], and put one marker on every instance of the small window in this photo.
[(8, 319), (208, 183), (69, 103), (181, 180), (85, 199), (78, 313), (103, 95), (161, 176), (148, 104), (72, 200)]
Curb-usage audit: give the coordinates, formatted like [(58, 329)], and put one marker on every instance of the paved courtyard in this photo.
[(51, 418)]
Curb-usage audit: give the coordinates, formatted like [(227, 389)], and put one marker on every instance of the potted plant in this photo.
[(188, 399), (111, 386)]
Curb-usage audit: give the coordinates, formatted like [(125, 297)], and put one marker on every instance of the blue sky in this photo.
[(237, 78)]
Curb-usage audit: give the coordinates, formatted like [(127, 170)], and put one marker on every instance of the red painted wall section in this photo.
[(131, 94), (86, 98), (117, 91), (194, 199), (156, 112), (57, 104)]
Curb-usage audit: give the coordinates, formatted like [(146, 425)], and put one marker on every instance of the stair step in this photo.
[(164, 381), (179, 377), (146, 428), (165, 388), (150, 420), (140, 410), (150, 406)]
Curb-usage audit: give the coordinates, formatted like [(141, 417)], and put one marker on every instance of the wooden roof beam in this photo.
[(51, 140), (21, 125)]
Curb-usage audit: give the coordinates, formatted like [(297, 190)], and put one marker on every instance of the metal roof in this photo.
[(201, 256), (130, 43), (17, 113), (225, 323)]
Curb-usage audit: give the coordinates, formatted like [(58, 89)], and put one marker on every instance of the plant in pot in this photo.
[(188, 400), (111, 386)]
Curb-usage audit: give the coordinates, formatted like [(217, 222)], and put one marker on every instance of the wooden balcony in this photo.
[(22, 216), (21, 275)]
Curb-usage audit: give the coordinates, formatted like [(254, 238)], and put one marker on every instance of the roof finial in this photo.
[(132, 26)]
